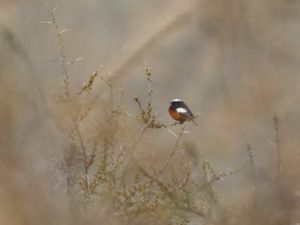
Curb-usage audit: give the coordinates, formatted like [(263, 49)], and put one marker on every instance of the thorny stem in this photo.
[(137, 140), (63, 59), (216, 177), (166, 190), (150, 90), (89, 108), (277, 139), (109, 84), (140, 105), (131, 147), (172, 153), (251, 158), (86, 163)]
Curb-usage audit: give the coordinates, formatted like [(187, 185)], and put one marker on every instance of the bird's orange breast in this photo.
[(175, 115)]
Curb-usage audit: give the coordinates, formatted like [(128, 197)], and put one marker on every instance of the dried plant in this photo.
[(277, 141), (107, 179)]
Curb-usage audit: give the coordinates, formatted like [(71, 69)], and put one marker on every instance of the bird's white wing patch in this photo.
[(181, 110)]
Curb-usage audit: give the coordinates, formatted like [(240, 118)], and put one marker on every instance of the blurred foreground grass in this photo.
[(80, 156)]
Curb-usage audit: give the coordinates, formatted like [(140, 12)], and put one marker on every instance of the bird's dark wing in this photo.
[(189, 113)]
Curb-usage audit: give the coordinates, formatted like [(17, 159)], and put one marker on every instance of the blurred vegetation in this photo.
[(103, 153)]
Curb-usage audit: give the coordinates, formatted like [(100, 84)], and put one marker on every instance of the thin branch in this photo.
[(172, 153), (251, 158), (277, 140), (63, 59)]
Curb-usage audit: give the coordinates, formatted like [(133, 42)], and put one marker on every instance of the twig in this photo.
[(63, 59), (277, 140), (251, 158), (88, 85), (172, 153)]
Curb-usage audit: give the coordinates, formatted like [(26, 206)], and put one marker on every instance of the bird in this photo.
[(179, 111)]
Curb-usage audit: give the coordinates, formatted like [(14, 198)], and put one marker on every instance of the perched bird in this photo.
[(179, 111)]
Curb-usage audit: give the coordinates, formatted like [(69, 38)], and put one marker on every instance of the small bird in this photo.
[(179, 111)]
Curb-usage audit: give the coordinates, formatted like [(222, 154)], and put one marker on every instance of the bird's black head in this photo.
[(177, 103)]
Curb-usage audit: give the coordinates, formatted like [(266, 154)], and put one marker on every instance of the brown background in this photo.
[(235, 62)]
